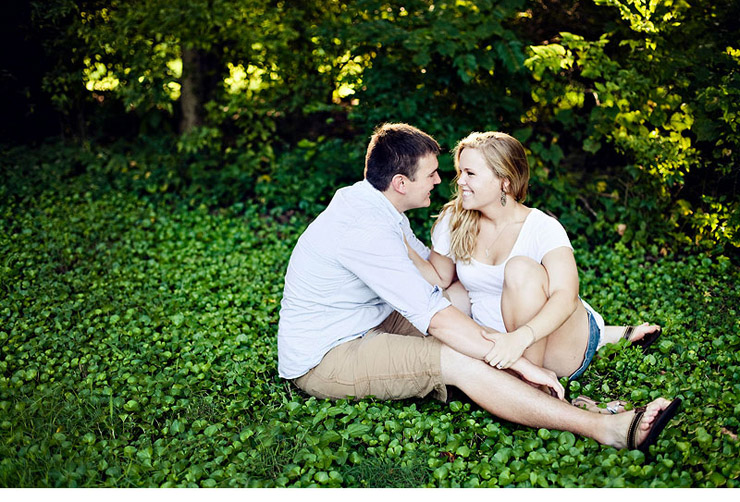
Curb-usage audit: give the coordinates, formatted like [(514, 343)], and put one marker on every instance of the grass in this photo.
[(138, 348)]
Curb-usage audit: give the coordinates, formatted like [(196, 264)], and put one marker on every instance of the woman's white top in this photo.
[(539, 235)]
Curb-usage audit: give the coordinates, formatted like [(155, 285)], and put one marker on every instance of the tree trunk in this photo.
[(191, 90)]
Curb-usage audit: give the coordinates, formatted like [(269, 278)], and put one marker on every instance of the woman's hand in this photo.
[(507, 347), (539, 376)]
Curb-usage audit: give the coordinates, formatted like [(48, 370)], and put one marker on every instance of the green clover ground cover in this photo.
[(138, 348)]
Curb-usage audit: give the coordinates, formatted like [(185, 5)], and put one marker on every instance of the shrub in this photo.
[(643, 102)]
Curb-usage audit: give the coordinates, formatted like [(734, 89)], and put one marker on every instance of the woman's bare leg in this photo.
[(525, 292)]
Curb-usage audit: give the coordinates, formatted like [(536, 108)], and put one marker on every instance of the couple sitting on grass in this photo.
[(493, 309)]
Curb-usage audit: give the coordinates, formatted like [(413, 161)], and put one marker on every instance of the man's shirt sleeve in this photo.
[(414, 241), (378, 256)]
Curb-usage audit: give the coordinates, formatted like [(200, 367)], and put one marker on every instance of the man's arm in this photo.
[(381, 261), (460, 332)]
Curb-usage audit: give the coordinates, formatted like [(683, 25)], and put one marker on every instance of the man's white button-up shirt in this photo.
[(349, 270)]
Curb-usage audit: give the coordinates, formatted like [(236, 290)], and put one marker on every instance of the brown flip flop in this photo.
[(644, 342), (660, 422)]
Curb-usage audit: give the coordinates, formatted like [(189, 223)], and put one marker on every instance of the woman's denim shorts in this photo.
[(594, 335)]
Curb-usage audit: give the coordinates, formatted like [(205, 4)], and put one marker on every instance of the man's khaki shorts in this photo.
[(392, 361)]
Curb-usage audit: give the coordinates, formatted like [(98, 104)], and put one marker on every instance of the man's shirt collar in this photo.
[(378, 198)]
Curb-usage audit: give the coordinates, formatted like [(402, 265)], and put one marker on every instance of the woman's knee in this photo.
[(523, 274)]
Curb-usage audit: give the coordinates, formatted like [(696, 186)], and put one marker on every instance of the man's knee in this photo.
[(523, 274), (455, 366)]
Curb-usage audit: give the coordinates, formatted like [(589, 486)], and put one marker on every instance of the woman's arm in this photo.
[(445, 268), (438, 271), (562, 301)]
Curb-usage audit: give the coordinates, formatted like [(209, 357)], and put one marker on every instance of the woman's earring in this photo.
[(503, 198)]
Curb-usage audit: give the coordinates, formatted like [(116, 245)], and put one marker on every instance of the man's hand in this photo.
[(507, 347), (539, 376)]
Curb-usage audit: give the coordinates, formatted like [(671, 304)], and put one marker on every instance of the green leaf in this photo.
[(357, 429), (131, 405), (330, 437), (177, 319)]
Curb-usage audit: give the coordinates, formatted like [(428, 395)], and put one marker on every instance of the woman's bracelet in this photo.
[(534, 337)]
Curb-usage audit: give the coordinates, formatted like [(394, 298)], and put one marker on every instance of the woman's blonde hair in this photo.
[(505, 156)]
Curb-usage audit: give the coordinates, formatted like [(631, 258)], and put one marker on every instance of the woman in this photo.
[(516, 263)]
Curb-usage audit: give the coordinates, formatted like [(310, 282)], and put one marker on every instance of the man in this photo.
[(358, 319)]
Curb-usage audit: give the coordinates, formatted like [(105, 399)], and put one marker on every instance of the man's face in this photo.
[(418, 191)]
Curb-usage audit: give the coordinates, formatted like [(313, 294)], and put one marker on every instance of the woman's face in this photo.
[(479, 185)]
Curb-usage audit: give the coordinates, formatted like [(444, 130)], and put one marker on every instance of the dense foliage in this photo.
[(629, 108), (138, 349)]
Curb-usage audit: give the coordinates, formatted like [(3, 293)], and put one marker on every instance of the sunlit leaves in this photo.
[(638, 102), (429, 54), (648, 16)]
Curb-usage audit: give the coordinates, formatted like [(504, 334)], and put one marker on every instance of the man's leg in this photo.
[(392, 361), (391, 366), (510, 398)]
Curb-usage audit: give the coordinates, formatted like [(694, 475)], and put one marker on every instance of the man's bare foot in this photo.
[(653, 420)]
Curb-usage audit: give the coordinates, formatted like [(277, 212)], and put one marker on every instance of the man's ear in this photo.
[(398, 183)]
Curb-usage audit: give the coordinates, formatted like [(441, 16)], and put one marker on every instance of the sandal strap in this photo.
[(613, 407), (632, 431), (628, 332), (589, 404), (583, 401)]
